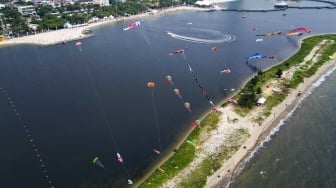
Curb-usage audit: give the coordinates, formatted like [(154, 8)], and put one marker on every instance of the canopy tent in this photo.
[(261, 101)]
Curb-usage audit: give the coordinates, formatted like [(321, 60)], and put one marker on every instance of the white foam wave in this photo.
[(223, 38)]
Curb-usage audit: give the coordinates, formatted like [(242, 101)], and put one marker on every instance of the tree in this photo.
[(259, 91), (279, 73), (52, 22), (247, 100)]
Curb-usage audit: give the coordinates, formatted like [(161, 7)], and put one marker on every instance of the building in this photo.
[(203, 3), (26, 10), (102, 2), (2, 6)]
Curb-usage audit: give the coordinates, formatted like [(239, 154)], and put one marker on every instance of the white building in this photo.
[(26, 10), (102, 2), (203, 3)]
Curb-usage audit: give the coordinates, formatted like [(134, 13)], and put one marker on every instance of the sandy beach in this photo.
[(72, 34)]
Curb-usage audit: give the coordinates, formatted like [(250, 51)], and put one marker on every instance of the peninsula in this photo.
[(228, 137)]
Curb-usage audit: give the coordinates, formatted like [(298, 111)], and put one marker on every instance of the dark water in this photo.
[(52, 90), (302, 153)]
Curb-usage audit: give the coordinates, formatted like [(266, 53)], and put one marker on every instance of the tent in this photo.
[(261, 101)]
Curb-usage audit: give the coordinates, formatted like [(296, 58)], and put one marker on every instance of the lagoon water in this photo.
[(62, 92)]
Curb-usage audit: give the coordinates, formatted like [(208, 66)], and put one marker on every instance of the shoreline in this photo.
[(272, 123), (63, 36), (280, 111)]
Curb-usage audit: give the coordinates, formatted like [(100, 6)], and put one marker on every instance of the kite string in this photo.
[(156, 120), (204, 92), (101, 106), (153, 95), (30, 139)]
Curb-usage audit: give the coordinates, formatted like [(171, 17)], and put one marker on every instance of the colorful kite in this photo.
[(191, 143), (177, 92), (133, 25), (256, 55), (177, 52), (151, 84), (97, 162), (187, 106), (120, 159), (269, 34), (225, 71), (169, 79), (231, 101), (196, 123), (300, 29)]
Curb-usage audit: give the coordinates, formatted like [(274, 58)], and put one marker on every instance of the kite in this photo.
[(303, 29), (214, 48), (189, 23), (177, 52), (177, 92), (191, 143), (151, 84), (161, 170), (294, 34), (130, 182), (225, 71), (196, 123), (169, 79), (256, 55), (120, 159), (259, 40), (269, 34), (231, 101), (133, 25), (232, 89), (79, 45), (97, 162), (187, 106), (157, 151)]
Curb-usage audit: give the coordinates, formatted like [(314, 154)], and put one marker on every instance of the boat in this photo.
[(281, 4), (87, 31)]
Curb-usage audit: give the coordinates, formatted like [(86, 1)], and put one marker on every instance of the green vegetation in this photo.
[(52, 18), (247, 101), (198, 177), (183, 155)]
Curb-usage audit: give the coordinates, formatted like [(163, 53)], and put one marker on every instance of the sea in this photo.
[(62, 106)]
